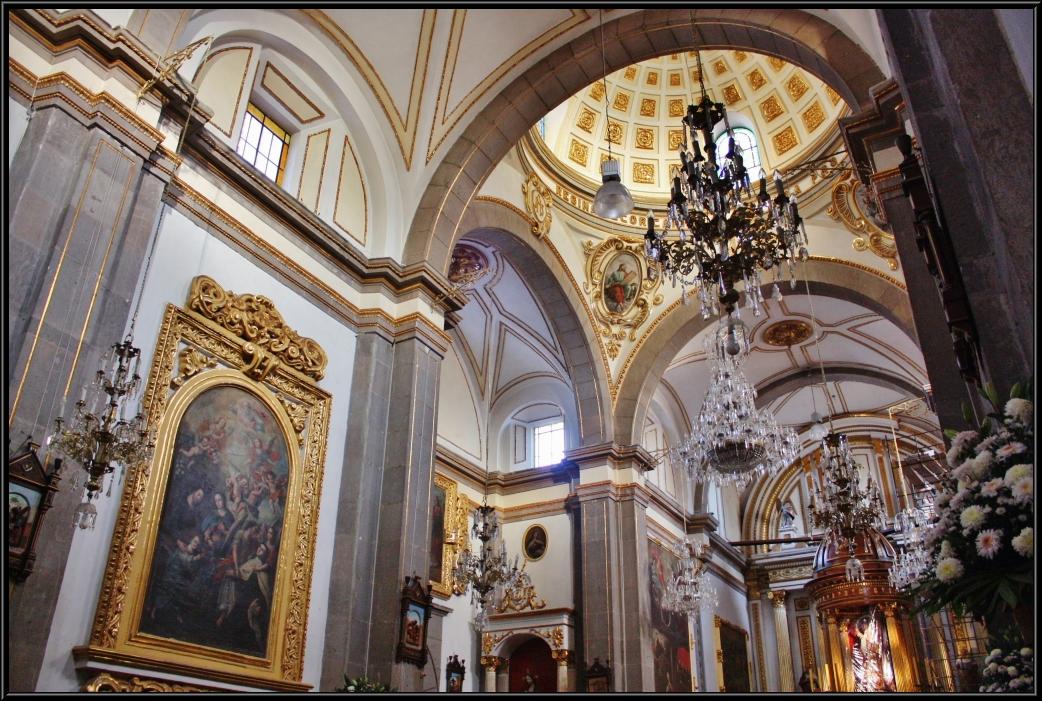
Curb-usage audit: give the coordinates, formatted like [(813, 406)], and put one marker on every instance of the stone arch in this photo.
[(681, 323), (793, 35), (834, 373), (498, 225)]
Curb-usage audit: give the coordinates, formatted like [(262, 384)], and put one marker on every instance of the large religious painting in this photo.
[(217, 548), (671, 647), (621, 283), (733, 657), (209, 571), (870, 653), (448, 519)]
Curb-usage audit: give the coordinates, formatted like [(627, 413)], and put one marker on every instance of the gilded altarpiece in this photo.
[(448, 531), (209, 571)]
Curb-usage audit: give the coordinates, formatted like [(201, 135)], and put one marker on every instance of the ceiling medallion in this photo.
[(787, 333), (621, 291), (468, 264)]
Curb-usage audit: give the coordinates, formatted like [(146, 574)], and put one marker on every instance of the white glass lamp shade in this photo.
[(613, 200)]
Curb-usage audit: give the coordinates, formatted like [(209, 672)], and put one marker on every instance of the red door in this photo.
[(531, 665)]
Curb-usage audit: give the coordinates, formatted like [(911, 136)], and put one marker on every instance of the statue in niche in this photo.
[(788, 516)]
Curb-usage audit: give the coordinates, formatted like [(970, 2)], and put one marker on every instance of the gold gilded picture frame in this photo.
[(440, 576), (237, 344)]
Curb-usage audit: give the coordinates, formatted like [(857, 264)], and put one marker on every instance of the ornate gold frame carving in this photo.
[(612, 325), (268, 360), (845, 208), (453, 532), (718, 642), (108, 683), (538, 202)]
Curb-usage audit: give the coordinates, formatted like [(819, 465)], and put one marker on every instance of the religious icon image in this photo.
[(219, 535), (437, 543), (870, 654), (788, 516), (670, 644), (535, 542), (621, 282), (22, 505)]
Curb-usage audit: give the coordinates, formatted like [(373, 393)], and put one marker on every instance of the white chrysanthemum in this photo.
[(1020, 410), (946, 549), (1016, 472), (987, 443), (949, 568), (1025, 651), (1024, 543), (1023, 490), (1010, 449), (972, 517), (989, 542), (981, 465), (991, 487)]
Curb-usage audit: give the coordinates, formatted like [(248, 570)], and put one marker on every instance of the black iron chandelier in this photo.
[(716, 234)]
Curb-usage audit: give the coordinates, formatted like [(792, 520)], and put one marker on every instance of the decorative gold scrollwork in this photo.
[(847, 195), (537, 204), (107, 683), (520, 599), (190, 362), (254, 319)]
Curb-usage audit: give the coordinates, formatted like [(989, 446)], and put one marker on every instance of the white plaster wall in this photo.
[(115, 16), (17, 121), (552, 573), (1019, 27), (183, 251), (458, 637), (459, 428)]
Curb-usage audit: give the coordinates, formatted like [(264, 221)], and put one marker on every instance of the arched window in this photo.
[(548, 443), (745, 140)]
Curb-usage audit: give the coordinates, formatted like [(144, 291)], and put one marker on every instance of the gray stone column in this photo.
[(383, 519), (974, 122), (84, 204), (616, 599)]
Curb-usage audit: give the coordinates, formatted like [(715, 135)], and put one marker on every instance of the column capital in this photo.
[(492, 661), (563, 657), (777, 597)]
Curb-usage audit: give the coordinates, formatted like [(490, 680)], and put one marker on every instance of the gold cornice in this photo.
[(404, 129)]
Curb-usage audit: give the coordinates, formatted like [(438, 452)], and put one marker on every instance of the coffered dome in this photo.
[(790, 113)]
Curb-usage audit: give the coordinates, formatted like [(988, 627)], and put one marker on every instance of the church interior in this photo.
[(506, 350)]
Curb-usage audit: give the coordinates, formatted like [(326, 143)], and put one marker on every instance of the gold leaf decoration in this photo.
[(740, 56), (614, 132), (784, 140), (645, 138), (631, 73), (776, 63), (597, 91), (756, 79), (652, 78), (833, 95), (676, 139), (731, 94), (771, 108), (796, 86), (720, 67), (644, 173), (537, 203), (676, 108), (674, 79), (648, 107), (622, 101), (579, 152), (814, 116), (586, 120), (254, 318)]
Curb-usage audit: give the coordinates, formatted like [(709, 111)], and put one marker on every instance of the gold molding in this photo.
[(319, 114), (404, 129), (538, 204), (613, 325), (108, 683), (806, 643), (116, 634), (758, 641), (845, 208)]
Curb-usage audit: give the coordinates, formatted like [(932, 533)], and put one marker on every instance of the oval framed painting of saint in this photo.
[(534, 542), (621, 283)]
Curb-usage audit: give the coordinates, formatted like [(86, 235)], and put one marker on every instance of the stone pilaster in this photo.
[(383, 520), (564, 659), (781, 632), (490, 664), (85, 200)]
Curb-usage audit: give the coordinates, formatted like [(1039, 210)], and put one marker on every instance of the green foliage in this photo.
[(364, 685)]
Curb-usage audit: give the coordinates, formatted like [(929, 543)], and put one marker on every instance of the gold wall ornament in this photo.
[(441, 580), (644, 173), (167, 67), (520, 599), (538, 201), (190, 363), (645, 138), (787, 333), (254, 318), (784, 140), (631, 72), (849, 200), (796, 86), (756, 79), (579, 152), (732, 94), (648, 107), (108, 683), (776, 63), (676, 108), (806, 643), (833, 95), (622, 101), (597, 90), (119, 630), (740, 56), (788, 573), (676, 140), (652, 78), (586, 120), (619, 289), (613, 132), (720, 67), (674, 80), (771, 108), (813, 117)]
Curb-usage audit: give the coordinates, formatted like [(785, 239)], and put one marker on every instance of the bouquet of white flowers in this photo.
[(981, 539), (1009, 672)]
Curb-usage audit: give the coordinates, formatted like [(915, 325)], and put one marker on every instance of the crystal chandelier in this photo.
[(841, 506), (690, 587), (490, 573), (100, 437), (913, 560), (732, 442), (720, 238)]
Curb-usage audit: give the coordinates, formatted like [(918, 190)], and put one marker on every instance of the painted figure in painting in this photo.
[(620, 287), (213, 572), (18, 512), (535, 543), (670, 651), (870, 655), (437, 545)]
